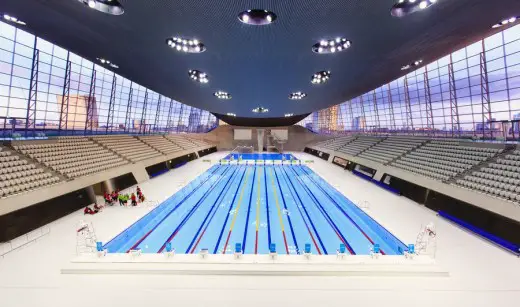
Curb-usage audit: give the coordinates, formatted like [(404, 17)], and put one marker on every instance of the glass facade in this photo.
[(45, 89), (472, 92)]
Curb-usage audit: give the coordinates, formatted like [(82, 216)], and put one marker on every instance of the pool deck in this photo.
[(281, 265)]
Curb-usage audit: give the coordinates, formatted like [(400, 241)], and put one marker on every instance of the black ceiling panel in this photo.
[(261, 65), (261, 122)]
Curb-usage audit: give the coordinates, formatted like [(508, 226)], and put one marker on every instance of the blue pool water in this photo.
[(288, 205), (261, 156)]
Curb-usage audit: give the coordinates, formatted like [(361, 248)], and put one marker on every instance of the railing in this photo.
[(24, 240)]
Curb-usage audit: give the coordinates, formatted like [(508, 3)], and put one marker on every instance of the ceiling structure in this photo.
[(260, 66)]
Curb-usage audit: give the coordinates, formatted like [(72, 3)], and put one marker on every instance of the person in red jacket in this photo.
[(88, 210), (134, 200)]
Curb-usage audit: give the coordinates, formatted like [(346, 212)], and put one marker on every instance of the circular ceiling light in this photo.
[(198, 76), (297, 96), (222, 95), (231, 114), (320, 77), (507, 21), (260, 110), (411, 65), (407, 7), (11, 18), (112, 7), (331, 45), (257, 17), (185, 44), (289, 114)]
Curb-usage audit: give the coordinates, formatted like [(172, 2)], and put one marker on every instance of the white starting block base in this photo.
[(283, 265)]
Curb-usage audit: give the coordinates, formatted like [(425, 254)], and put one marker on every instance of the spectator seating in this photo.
[(358, 145), (127, 146), (18, 175), (199, 143), (391, 148), (180, 140), (335, 143), (71, 156), (443, 159), (160, 143), (500, 178)]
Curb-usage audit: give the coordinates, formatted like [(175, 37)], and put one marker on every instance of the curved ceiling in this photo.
[(261, 65)]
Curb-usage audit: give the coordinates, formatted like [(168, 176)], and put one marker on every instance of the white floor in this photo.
[(480, 274)]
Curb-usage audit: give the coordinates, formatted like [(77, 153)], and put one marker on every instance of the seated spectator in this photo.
[(88, 210), (98, 207), (141, 197), (114, 196), (108, 200)]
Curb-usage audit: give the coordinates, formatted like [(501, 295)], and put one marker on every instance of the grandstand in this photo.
[(154, 146)]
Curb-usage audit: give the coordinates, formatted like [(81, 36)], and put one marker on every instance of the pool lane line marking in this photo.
[(174, 209), (267, 210), (235, 215), (278, 209), (195, 207), (307, 214), (229, 209), (340, 208), (246, 226), (288, 216), (325, 214), (212, 212), (211, 170), (257, 213)]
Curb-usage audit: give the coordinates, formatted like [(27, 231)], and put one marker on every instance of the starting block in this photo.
[(135, 252), (307, 251), (375, 251), (410, 253), (340, 253), (204, 252), (170, 252), (272, 251), (101, 252), (238, 251)]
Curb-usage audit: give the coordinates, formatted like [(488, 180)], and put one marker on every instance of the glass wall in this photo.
[(45, 89), (472, 92)]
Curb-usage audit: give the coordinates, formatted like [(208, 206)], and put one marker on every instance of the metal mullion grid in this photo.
[(118, 99), (409, 117), (64, 110), (91, 97), (110, 115), (32, 100), (454, 109), (428, 102), (157, 112), (128, 114)]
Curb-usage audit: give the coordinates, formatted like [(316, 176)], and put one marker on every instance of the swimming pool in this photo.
[(288, 205), (261, 156)]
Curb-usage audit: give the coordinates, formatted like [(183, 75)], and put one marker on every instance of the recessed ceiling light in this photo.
[(320, 77), (231, 114), (414, 64), (187, 45), (407, 7), (198, 76), (507, 21), (112, 7), (260, 110), (222, 95), (257, 17), (297, 96), (289, 114), (11, 18), (107, 62)]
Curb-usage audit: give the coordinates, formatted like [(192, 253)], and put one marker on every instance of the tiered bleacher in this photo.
[(443, 159), (336, 143), (161, 144), (391, 148), (360, 144), (18, 175), (71, 156), (500, 178), (181, 141), (127, 146), (198, 143)]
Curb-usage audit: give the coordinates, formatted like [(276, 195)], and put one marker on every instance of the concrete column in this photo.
[(260, 137)]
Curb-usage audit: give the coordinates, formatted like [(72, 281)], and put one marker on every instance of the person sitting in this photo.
[(98, 207), (88, 210), (134, 200), (141, 197), (114, 196)]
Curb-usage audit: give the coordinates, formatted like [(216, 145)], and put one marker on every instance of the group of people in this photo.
[(116, 196)]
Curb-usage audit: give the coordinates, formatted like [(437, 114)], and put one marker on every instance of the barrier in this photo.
[(21, 241)]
